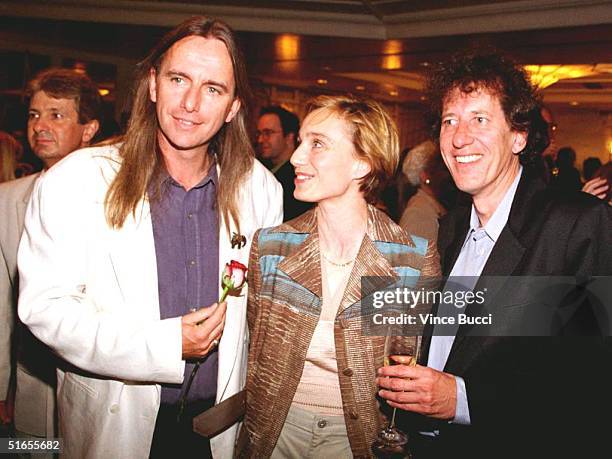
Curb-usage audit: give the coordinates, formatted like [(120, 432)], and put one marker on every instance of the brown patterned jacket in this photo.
[(283, 310)]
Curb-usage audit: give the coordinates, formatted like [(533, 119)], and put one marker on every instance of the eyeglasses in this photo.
[(266, 133)]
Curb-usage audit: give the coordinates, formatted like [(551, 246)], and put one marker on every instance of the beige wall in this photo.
[(589, 132)]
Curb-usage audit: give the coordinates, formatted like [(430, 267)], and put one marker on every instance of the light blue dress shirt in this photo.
[(474, 254)]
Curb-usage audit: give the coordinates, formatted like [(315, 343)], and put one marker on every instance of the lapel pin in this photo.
[(238, 240)]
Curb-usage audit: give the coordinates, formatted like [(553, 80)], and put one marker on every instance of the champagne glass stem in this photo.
[(417, 353), (392, 423), (414, 362)]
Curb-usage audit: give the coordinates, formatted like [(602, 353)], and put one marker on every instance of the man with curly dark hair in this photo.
[(496, 75), (504, 392)]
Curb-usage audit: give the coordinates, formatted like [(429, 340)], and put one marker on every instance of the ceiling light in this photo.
[(360, 87), (392, 62), (573, 103), (543, 76), (287, 47), (392, 57), (321, 81), (393, 93), (104, 92)]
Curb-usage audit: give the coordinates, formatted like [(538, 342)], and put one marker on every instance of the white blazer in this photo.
[(90, 293), (34, 392), (14, 197)]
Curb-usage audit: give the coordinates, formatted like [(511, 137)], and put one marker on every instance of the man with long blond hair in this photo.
[(123, 241)]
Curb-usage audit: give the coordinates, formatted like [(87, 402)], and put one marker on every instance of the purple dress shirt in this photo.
[(186, 234)]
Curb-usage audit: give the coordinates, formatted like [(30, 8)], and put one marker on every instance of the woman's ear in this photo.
[(361, 168)]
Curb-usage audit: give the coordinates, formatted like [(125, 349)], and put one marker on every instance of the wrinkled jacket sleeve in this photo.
[(253, 304), (431, 264)]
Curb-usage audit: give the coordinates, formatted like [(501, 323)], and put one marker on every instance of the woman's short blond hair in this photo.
[(374, 136)]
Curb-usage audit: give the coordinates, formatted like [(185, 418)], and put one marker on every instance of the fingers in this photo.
[(419, 389), (215, 336), (413, 407), (217, 316), (202, 330), (200, 315), (402, 378), (211, 327), (404, 398), (596, 181), (601, 192), (401, 371), (396, 384), (597, 187), (399, 378), (404, 394)]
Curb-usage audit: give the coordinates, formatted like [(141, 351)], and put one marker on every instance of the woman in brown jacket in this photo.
[(311, 388)]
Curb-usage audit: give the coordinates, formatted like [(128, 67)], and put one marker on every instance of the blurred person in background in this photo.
[(10, 152), (64, 112), (544, 166), (552, 128), (394, 196), (590, 167), (595, 176), (600, 184), (277, 138), (567, 178), (424, 168)]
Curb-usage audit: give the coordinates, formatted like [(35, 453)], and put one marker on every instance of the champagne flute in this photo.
[(392, 442)]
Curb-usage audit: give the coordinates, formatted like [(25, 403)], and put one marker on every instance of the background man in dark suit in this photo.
[(502, 396), (277, 139)]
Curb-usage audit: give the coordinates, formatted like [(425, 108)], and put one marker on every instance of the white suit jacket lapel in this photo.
[(230, 346)]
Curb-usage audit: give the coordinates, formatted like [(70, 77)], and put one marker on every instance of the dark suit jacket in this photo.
[(532, 396)]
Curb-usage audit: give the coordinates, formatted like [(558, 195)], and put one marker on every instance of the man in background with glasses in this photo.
[(277, 138)]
